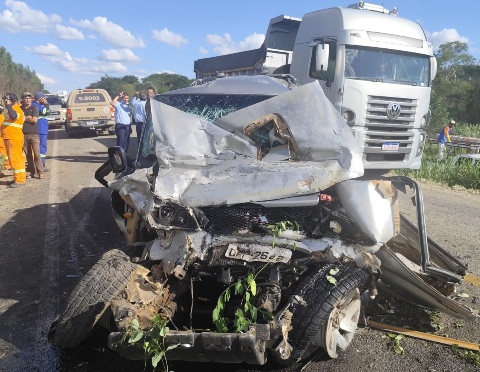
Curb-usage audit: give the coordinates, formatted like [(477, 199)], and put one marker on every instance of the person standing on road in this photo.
[(150, 93), (123, 120), (12, 135), (444, 137), (139, 101), (31, 145), (3, 151), (43, 110)]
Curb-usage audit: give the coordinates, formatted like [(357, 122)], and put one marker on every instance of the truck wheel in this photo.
[(331, 314), (90, 298)]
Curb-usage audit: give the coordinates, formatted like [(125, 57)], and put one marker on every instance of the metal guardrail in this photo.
[(469, 144)]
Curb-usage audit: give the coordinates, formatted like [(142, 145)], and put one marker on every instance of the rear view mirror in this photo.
[(321, 57), (118, 159)]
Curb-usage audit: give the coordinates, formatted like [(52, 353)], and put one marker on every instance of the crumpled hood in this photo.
[(206, 163)]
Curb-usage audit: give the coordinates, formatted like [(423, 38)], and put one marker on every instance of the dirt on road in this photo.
[(52, 231)]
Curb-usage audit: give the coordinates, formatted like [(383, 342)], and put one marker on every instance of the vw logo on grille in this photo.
[(393, 110)]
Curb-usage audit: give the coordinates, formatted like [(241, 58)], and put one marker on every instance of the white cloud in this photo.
[(64, 61), (446, 35), (50, 50), (112, 33), (226, 45), (168, 37), (105, 67), (68, 33), (202, 50), (46, 79), (120, 55), (19, 17)]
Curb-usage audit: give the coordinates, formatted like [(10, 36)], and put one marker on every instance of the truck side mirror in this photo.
[(118, 159), (433, 68), (322, 53)]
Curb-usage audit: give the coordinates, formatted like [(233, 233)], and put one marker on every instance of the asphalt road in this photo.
[(52, 231)]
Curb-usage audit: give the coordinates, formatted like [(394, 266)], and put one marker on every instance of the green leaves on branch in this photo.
[(279, 227), (331, 275), (395, 343), (153, 340), (472, 357), (246, 313)]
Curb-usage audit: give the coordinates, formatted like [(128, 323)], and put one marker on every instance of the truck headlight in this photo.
[(425, 120), (348, 115)]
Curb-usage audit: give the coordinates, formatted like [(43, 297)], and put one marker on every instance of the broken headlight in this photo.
[(174, 215)]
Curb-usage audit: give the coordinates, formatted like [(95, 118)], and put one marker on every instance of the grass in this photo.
[(443, 172)]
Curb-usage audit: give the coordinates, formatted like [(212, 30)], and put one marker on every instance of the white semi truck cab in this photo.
[(375, 68)]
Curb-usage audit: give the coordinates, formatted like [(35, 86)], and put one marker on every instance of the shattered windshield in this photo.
[(384, 65), (208, 107)]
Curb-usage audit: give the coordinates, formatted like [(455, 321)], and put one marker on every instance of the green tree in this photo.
[(113, 85), (130, 84), (453, 89), (165, 82), (130, 79), (16, 78)]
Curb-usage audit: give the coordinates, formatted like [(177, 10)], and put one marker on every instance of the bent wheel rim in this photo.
[(342, 323)]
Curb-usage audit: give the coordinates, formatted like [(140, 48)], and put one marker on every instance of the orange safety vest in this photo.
[(13, 129)]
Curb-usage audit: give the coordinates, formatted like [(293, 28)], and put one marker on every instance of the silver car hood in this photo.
[(215, 163)]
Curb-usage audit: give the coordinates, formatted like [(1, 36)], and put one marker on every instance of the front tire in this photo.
[(90, 298), (330, 317)]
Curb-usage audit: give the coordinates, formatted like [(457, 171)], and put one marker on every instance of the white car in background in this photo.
[(58, 111)]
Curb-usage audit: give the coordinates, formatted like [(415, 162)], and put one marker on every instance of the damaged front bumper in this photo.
[(249, 347)]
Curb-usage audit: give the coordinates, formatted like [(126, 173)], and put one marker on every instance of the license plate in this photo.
[(258, 253), (52, 118), (92, 122), (390, 146)]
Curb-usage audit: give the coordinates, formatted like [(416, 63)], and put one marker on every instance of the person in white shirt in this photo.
[(139, 101)]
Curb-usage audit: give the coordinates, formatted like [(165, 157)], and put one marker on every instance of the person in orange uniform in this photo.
[(12, 135), (3, 150)]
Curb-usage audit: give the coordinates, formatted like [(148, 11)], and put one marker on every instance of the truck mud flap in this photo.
[(399, 280), (249, 347)]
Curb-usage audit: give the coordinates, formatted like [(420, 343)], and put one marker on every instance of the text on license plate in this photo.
[(92, 122), (258, 253), (390, 146)]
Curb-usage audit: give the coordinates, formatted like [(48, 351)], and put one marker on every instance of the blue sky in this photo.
[(71, 43)]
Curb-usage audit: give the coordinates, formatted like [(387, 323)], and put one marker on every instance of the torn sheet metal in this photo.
[(399, 280), (373, 207), (135, 190), (202, 162)]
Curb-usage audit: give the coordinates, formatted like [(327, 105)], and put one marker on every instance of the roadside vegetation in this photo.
[(16, 78), (445, 172), (130, 84)]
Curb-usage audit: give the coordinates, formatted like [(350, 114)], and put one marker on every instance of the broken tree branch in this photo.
[(424, 336)]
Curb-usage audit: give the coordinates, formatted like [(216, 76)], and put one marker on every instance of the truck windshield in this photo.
[(387, 66), (205, 106)]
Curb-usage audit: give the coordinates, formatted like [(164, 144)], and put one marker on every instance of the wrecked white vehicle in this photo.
[(256, 232)]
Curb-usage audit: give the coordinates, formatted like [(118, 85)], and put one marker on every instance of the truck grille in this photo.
[(381, 129)]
